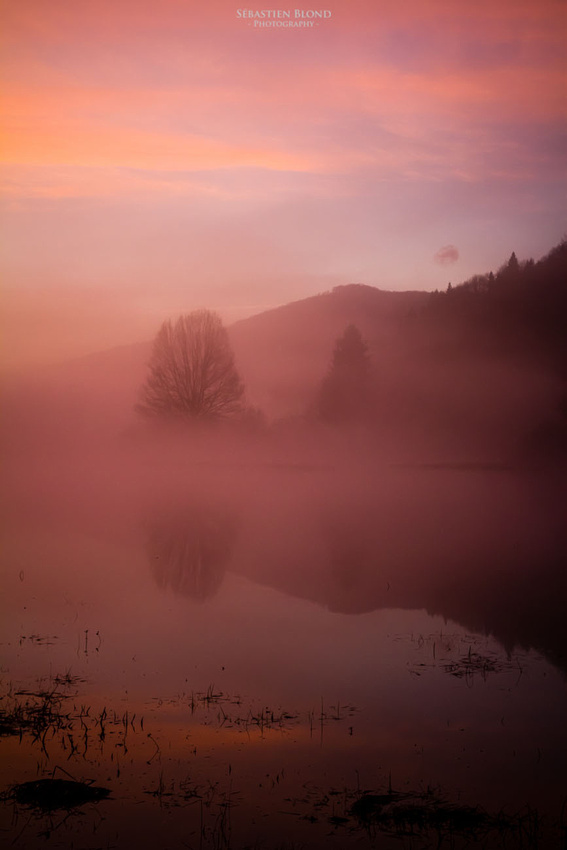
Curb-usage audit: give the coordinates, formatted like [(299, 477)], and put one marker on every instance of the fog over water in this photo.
[(376, 627), (318, 516), (335, 619)]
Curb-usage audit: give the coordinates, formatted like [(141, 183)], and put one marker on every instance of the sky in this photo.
[(162, 157)]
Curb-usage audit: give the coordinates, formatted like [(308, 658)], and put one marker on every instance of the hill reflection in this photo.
[(515, 596), (492, 567)]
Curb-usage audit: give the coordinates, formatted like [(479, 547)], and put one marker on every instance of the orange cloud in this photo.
[(86, 144), (183, 87)]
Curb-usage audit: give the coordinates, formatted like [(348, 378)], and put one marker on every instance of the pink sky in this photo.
[(162, 157)]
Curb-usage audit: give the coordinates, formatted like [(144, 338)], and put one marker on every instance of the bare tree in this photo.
[(192, 374)]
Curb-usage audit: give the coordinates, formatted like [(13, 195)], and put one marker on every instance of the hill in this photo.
[(519, 312), (281, 355), (462, 374), (284, 353)]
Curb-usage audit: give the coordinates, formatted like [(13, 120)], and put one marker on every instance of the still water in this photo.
[(375, 660)]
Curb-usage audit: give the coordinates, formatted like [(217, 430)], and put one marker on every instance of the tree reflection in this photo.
[(189, 548)]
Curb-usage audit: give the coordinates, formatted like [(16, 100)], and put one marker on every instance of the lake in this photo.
[(282, 656)]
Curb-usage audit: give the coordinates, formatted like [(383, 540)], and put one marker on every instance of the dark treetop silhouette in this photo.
[(345, 390), (192, 375)]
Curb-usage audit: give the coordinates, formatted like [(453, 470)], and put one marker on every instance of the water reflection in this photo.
[(501, 578), (307, 719), (189, 549), (503, 590)]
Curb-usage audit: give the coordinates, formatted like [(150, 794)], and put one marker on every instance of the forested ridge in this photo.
[(521, 310)]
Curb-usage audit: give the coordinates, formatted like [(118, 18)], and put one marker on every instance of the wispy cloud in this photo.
[(447, 256)]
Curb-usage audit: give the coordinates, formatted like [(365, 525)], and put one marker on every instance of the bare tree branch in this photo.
[(191, 371)]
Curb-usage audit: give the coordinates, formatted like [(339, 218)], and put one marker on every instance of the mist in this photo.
[(321, 587), (284, 426)]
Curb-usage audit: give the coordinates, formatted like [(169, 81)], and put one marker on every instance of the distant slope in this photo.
[(471, 371), (284, 353), (91, 393), (281, 355)]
